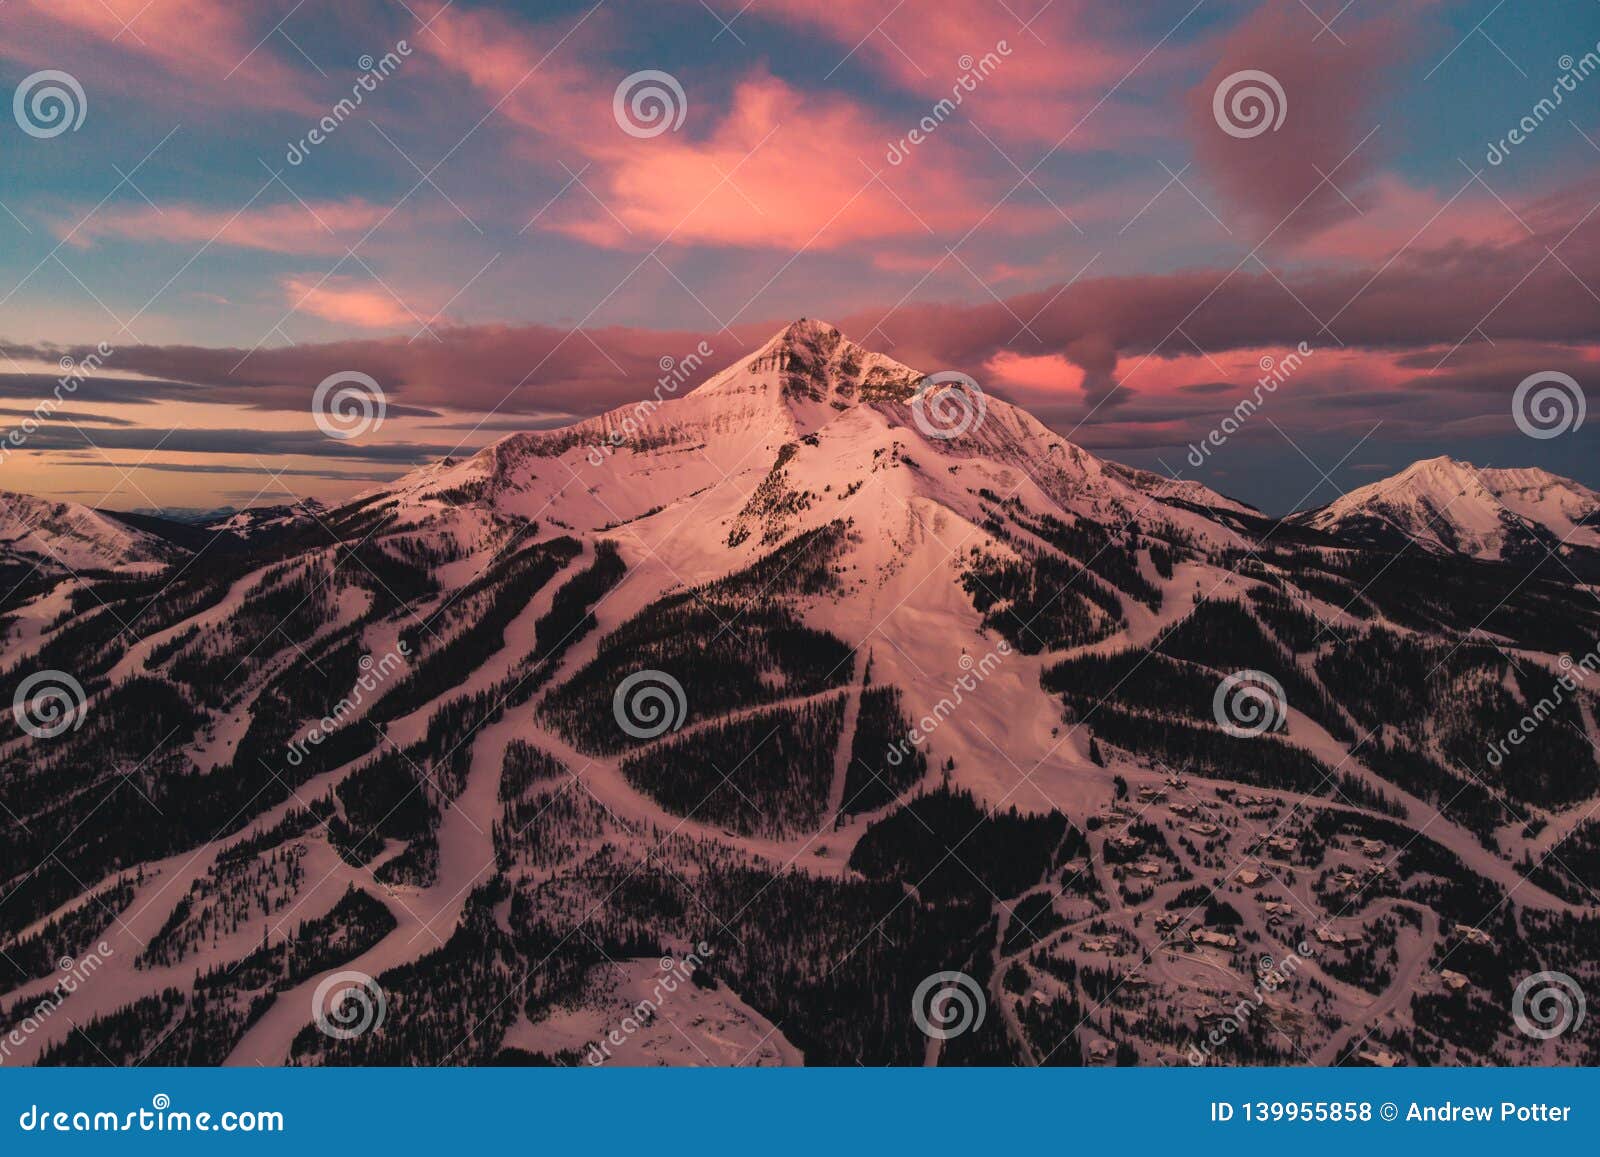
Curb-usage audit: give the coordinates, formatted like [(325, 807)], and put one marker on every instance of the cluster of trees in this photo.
[(773, 504), (508, 587), (725, 656), (1042, 603), (884, 763), (203, 1025), (944, 844), (766, 773), (1223, 635), (524, 765), (571, 614), (1137, 679), (291, 604), (1300, 632), (232, 894), (548, 827), (66, 936), (1111, 557), (1263, 760), (58, 789), (1456, 700), (383, 799)]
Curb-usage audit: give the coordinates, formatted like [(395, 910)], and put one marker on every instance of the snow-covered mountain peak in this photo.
[(812, 372), (68, 536), (809, 389), (1449, 505)]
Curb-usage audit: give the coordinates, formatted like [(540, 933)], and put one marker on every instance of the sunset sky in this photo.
[(484, 239)]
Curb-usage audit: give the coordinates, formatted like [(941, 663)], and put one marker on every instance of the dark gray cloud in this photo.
[(81, 417), (264, 444)]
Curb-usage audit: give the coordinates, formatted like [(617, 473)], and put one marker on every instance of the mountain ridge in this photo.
[(857, 677), (1450, 505)]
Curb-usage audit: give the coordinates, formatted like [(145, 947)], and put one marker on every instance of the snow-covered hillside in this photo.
[(809, 683), (836, 411), (67, 536), (257, 520), (1448, 505)]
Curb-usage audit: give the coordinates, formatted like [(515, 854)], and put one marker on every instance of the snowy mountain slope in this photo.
[(258, 520), (931, 691), (67, 536), (808, 387), (1451, 506), (1182, 491)]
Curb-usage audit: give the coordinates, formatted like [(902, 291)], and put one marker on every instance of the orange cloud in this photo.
[(1048, 373)]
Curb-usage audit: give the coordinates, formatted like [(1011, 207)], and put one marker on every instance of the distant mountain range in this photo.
[(822, 681), (1450, 506)]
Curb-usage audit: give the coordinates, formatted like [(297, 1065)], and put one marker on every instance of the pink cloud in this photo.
[(348, 303), (211, 45), (1330, 87), (777, 167), (782, 169), (1036, 83), (1046, 373), (320, 227), (1396, 215)]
